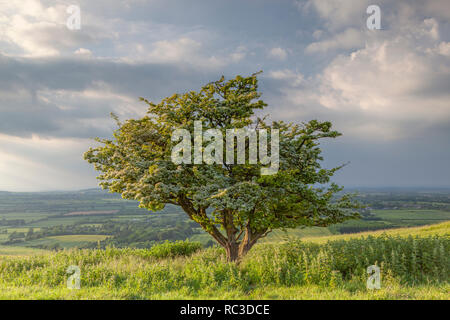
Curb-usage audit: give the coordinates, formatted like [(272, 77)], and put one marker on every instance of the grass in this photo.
[(439, 229), (410, 217), (279, 235), (312, 292), (19, 251), (27, 216), (66, 241), (414, 265), (79, 237), (410, 214), (58, 221), (24, 230)]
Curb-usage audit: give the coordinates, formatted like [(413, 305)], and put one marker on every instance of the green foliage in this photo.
[(410, 260), (174, 249)]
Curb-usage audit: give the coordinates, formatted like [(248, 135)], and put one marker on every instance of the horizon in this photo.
[(348, 188)]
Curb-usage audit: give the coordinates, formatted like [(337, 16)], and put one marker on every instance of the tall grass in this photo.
[(409, 260), (137, 273)]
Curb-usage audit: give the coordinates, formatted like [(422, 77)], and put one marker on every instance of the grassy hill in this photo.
[(414, 262), (439, 229)]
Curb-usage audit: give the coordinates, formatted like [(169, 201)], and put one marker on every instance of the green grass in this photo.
[(22, 229), (66, 241), (412, 214), (79, 237), (299, 233), (439, 229), (92, 224), (312, 292), (59, 221), (27, 216), (411, 217), (398, 217), (201, 237), (411, 268), (276, 236), (19, 251)]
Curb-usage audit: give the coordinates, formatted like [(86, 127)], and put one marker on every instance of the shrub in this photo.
[(174, 249)]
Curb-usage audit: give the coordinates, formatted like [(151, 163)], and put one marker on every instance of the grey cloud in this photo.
[(45, 96)]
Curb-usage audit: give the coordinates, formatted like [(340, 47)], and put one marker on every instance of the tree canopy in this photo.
[(235, 203)]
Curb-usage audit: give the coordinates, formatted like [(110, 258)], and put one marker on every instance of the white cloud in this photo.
[(348, 39), (83, 52), (336, 13), (396, 85), (278, 53), (317, 34), (239, 54), (184, 50), (293, 78), (443, 48), (32, 29)]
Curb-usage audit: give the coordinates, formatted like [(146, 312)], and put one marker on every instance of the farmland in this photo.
[(38, 222)]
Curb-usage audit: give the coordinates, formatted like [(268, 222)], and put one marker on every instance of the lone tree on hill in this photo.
[(237, 204)]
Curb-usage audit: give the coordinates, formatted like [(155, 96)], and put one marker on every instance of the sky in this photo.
[(387, 91)]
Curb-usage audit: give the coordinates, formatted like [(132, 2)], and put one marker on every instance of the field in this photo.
[(388, 218), (66, 241), (40, 221), (411, 268), (122, 253), (441, 229), (19, 251)]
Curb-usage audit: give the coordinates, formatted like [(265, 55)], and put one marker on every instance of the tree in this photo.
[(235, 203)]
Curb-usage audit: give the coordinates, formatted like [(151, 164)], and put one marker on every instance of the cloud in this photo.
[(336, 14), (380, 88), (278, 53), (184, 51), (348, 39), (293, 78), (30, 29), (83, 52), (41, 164), (73, 98), (396, 85)]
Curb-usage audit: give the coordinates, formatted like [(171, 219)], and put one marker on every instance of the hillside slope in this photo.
[(439, 229), (411, 268)]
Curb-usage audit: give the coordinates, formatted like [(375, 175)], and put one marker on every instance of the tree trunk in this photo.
[(246, 244), (237, 250), (232, 250)]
